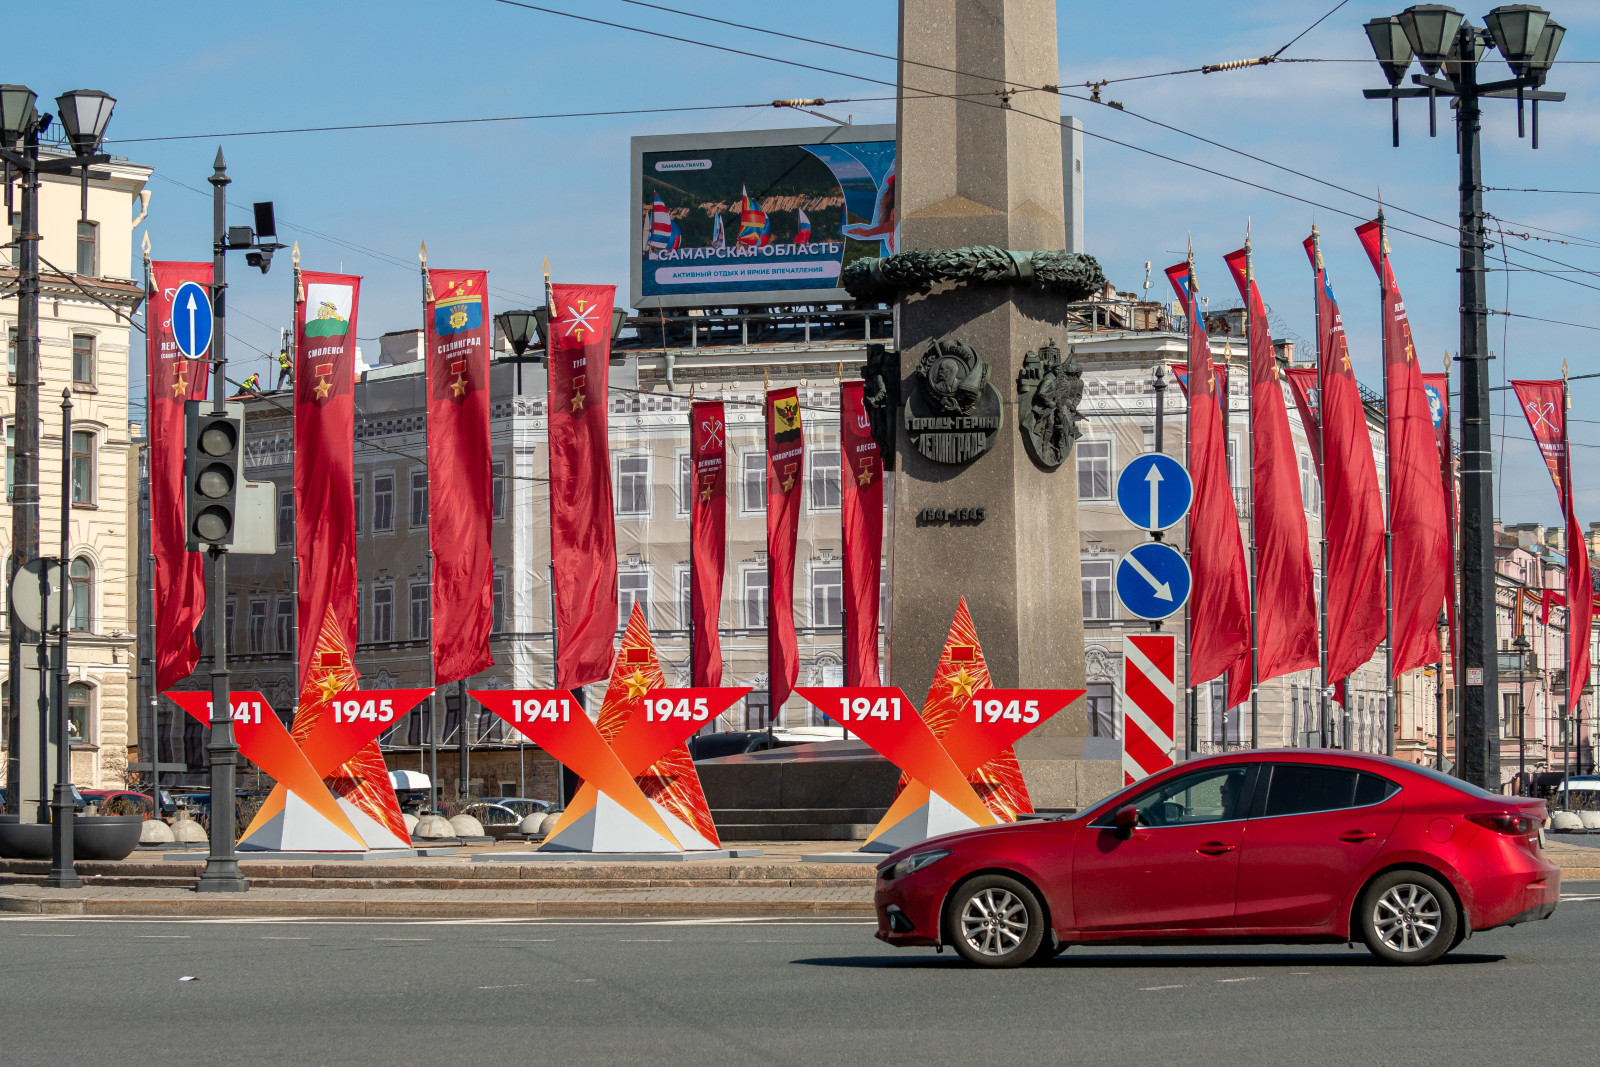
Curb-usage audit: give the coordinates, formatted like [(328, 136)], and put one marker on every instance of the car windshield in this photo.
[(1204, 796), (1451, 780)]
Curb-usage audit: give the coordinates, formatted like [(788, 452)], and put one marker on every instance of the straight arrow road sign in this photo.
[(1154, 491)]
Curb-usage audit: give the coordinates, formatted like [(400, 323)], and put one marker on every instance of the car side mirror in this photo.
[(1125, 819)]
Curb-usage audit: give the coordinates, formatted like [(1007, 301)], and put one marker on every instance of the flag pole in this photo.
[(1250, 457), (1192, 729), (1325, 713), (433, 683), (1388, 494)]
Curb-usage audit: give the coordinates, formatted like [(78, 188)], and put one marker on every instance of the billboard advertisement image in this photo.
[(759, 217)]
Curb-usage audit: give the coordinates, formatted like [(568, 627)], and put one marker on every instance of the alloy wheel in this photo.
[(994, 921), (1407, 917)]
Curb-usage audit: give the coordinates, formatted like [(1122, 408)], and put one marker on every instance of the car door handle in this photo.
[(1355, 837), (1215, 848)]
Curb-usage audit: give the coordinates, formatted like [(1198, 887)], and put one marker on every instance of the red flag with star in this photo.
[(708, 521), (862, 528), (1545, 405), (180, 587), (786, 466), (460, 472), (1219, 606), (325, 527), (1437, 387), (583, 539), (672, 780), (1352, 506), (1286, 607), (1419, 525)]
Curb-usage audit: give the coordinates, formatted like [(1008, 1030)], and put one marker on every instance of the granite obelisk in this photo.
[(980, 168)]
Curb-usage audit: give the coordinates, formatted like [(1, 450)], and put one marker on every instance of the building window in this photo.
[(420, 610), (757, 705), (754, 466), (228, 618), (82, 359), (383, 613), (1096, 589), (257, 633), (285, 624), (383, 502), (755, 598), (633, 587), (825, 479), (685, 483), (82, 578), (827, 596), (82, 467), (87, 252), (286, 516), (11, 351), (11, 457), (78, 697), (358, 502), (1094, 470), (685, 596), (497, 489), (498, 618), (633, 486), (419, 498), (1102, 719), (1310, 484)]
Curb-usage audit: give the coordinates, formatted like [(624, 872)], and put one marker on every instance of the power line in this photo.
[(1560, 192), (1309, 28)]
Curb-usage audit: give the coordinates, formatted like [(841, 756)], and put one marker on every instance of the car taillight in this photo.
[(1506, 823)]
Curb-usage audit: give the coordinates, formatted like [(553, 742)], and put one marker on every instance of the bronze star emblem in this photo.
[(705, 490), (324, 387), (458, 387), (577, 399), (179, 385), (637, 685), (865, 477)]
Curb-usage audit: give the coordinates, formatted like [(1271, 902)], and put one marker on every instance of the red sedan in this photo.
[(1296, 846)]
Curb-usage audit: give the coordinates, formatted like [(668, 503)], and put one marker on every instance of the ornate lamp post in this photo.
[(1449, 49)]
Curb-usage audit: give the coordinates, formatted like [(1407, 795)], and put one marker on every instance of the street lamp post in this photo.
[(1449, 49), (84, 114), (1438, 693)]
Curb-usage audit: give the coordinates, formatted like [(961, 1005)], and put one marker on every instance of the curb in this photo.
[(243, 907)]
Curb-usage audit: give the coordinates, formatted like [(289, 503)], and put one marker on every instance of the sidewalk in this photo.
[(773, 885)]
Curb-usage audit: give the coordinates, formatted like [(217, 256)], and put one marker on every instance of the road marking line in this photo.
[(165, 937), (1155, 988), (645, 940), (402, 939), (47, 935), (513, 985), (1221, 981)]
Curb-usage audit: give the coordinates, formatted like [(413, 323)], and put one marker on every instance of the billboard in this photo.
[(758, 217)]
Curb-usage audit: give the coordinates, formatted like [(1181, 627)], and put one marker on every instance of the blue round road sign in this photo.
[(1153, 580), (1154, 491), (191, 320)]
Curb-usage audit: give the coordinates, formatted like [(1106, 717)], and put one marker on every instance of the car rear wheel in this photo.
[(1408, 917), (995, 921)]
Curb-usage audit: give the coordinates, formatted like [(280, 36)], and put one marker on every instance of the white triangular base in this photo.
[(608, 827), (373, 832), (937, 816), (692, 840), (299, 828)]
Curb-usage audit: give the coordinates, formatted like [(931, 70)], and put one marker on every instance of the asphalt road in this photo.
[(762, 992)]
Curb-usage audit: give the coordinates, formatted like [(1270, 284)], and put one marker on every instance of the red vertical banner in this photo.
[(583, 538), (1545, 405), (1220, 603), (1437, 388), (1352, 506), (1286, 607), (786, 469), (325, 533), (171, 380), (460, 473), (1418, 522), (862, 483), (1307, 396), (708, 524)]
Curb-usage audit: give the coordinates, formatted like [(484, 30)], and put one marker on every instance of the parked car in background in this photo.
[(79, 801), (1287, 845), (736, 743), (503, 815)]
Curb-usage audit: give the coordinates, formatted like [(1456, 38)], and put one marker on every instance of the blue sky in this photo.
[(504, 195)]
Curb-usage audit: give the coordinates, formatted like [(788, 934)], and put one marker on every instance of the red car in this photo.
[(1291, 845)]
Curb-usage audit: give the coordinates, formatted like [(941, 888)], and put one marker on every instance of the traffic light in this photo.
[(213, 445)]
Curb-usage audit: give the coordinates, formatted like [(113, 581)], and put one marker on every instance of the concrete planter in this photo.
[(94, 837)]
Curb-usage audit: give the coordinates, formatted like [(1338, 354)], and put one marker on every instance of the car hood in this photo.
[(954, 839)]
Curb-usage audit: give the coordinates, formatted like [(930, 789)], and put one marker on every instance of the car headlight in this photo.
[(915, 862)]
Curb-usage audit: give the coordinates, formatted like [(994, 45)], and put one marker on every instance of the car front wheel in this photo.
[(995, 921), (1408, 917)]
